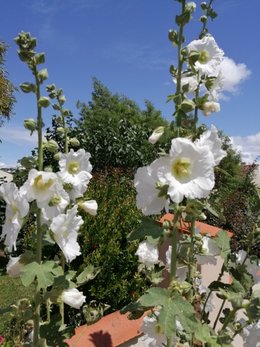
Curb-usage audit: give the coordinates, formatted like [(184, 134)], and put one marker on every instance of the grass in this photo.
[(11, 290)]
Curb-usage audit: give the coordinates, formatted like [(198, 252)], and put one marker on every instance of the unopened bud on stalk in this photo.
[(190, 6), (203, 19), (74, 142), (30, 124), (89, 206), (60, 131), (51, 146), (157, 133), (57, 156), (187, 105)]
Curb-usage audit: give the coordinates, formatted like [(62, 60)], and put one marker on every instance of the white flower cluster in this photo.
[(52, 193), (187, 171)]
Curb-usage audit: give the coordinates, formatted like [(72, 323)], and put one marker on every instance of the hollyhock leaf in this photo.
[(87, 274), (253, 309), (43, 273), (148, 227), (154, 297), (223, 241), (133, 307)]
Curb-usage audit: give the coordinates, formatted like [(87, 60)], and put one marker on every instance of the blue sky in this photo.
[(124, 44)]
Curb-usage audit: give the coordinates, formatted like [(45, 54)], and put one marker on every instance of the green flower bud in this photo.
[(204, 6), (30, 124), (42, 75), (66, 112), (60, 131), (62, 99), (57, 156), (51, 146), (74, 142), (203, 19), (187, 105), (173, 36), (28, 87), (190, 6), (44, 101), (39, 58), (50, 88)]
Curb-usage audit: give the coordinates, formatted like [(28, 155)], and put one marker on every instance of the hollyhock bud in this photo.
[(89, 206), (74, 142), (30, 124), (73, 298), (157, 133), (52, 146)]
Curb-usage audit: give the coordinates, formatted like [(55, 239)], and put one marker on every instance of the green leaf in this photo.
[(154, 296), (223, 241), (87, 274), (148, 227), (253, 309), (42, 272)]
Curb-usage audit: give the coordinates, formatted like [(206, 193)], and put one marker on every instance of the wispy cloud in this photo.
[(50, 7), (248, 146), (233, 75), (17, 135), (141, 56)]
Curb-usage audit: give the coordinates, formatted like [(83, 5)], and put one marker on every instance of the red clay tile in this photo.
[(110, 331)]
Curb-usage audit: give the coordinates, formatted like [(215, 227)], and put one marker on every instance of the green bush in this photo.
[(104, 240)]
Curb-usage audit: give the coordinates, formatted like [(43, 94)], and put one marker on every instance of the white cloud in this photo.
[(248, 146), (17, 135), (232, 74), (2, 165)]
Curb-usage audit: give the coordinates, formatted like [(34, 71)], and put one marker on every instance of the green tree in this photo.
[(6, 88), (115, 131)]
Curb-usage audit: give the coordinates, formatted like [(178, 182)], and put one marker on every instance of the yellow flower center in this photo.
[(181, 168), (204, 57), (73, 167), (41, 185)]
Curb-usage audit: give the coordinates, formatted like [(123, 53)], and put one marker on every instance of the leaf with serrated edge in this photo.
[(148, 227)]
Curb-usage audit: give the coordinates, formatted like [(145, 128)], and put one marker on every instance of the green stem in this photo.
[(66, 145), (174, 245), (191, 255), (219, 313), (180, 65), (229, 318), (38, 213)]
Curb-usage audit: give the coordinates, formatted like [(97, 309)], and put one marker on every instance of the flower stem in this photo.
[(219, 313), (174, 244), (191, 255), (38, 213)]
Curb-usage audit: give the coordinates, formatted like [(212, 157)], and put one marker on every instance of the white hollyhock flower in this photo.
[(188, 171), (210, 138), (73, 297), (145, 182), (56, 205), (210, 55), (210, 107), (40, 186), (210, 249), (17, 207), (157, 133), (65, 232), (14, 267), (89, 206), (75, 168), (147, 254), (252, 267), (152, 337)]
